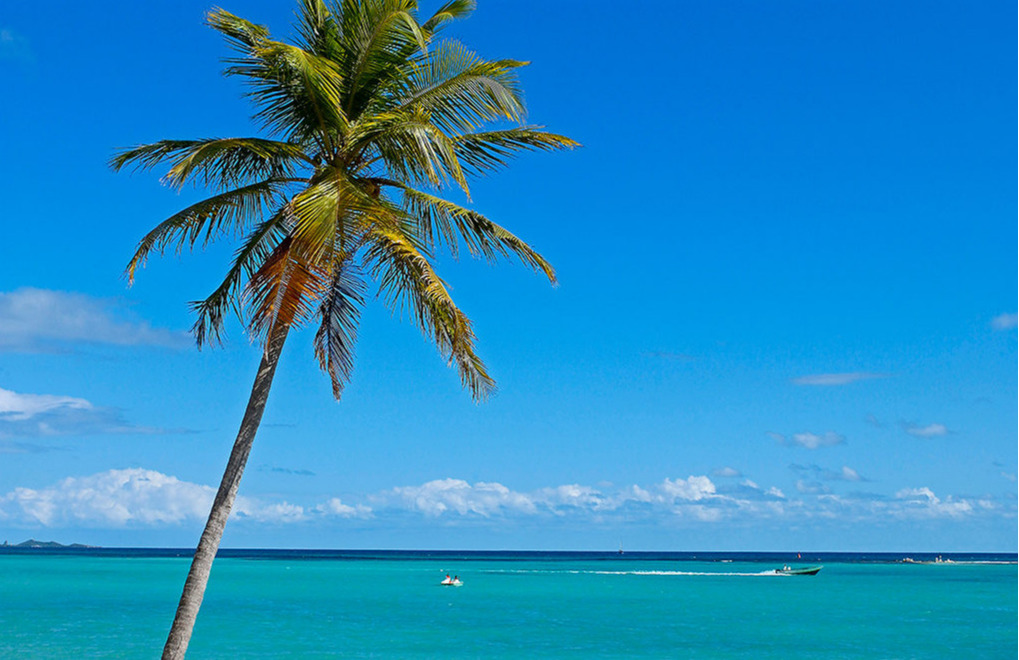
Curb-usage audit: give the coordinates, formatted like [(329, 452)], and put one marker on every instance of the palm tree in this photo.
[(369, 118)]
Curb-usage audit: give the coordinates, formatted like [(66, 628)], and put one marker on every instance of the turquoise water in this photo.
[(74, 606)]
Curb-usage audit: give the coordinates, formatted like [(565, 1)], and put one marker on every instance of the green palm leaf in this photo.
[(444, 222), (298, 94), (216, 163), (462, 92), (411, 147), (208, 220), (485, 151), (341, 314), (378, 37), (257, 247), (409, 284), (451, 11)]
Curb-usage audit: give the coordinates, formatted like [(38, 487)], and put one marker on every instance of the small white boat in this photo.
[(451, 582)]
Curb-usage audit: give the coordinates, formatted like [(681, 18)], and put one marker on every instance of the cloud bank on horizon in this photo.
[(138, 498)]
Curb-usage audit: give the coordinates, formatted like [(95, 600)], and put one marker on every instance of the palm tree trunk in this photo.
[(201, 565)]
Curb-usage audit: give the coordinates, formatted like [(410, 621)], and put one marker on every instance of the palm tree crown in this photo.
[(369, 118)]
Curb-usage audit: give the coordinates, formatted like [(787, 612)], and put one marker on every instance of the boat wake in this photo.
[(767, 573)]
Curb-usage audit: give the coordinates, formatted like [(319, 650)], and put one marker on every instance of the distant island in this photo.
[(32, 543)]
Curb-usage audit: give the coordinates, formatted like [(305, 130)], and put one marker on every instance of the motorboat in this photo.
[(788, 570), (451, 582)]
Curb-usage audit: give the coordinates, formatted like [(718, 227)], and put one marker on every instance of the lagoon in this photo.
[(363, 604)]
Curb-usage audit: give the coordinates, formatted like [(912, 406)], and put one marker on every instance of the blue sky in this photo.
[(786, 317)]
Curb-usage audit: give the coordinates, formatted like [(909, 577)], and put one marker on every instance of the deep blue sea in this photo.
[(118, 603)]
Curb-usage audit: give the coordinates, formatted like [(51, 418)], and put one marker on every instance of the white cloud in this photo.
[(637, 494), (136, 497), (832, 380), (1005, 321), (922, 502), (115, 498), (924, 493), (34, 320), (810, 440), (849, 474), (690, 489), (457, 496), (335, 507), (726, 472), (929, 431), (131, 497), (811, 487), (24, 415), (276, 512), (704, 513), (19, 407), (572, 496), (813, 441)]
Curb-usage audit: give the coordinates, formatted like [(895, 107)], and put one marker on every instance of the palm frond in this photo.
[(318, 30), (242, 34), (341, 314), (461, 92), (412, 148), (368, 116), (208, 220), (451, 11), (333, 212), (442, 221), (257, 247), (216, 162), (379, 36), (409, 284), (285, 290), (485, 151), (298, 94)]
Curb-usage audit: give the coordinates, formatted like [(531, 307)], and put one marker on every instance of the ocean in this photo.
[(118, 603)]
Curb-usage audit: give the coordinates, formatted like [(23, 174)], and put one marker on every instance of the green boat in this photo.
[(786, 570)]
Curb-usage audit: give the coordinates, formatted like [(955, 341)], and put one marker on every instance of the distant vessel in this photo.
[(451, 582), (937, 560), (787, 570)]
